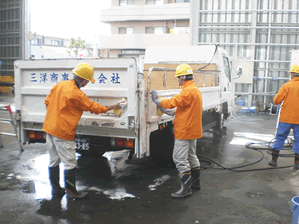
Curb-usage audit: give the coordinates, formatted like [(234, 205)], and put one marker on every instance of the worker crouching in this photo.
[(288, 94), (187, 129), (65, 105)]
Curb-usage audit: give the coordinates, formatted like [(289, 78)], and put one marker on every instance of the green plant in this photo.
[(76, 45)]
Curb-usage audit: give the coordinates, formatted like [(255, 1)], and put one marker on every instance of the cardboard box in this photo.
[(206, 78)]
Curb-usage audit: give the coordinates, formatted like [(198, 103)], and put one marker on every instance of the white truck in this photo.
[(139, 125)]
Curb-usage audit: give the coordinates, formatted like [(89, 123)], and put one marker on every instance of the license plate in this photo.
[(82, 143)]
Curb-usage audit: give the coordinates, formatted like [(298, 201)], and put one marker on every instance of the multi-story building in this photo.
[(258, 33), (44, 47), (136, 24)]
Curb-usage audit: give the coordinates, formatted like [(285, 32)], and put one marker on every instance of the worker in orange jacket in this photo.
[(65, 105), (187, 129), (289, 116)]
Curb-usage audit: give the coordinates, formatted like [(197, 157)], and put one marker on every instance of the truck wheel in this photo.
[(219, 128), (162, 142)]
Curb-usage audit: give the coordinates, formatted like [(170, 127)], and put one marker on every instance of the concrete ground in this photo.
[(138, 190)]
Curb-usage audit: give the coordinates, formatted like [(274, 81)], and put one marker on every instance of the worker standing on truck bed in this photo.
[(289, 116), (187, 129), (65, 105)]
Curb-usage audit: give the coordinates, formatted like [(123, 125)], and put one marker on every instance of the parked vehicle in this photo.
[(139, 125)]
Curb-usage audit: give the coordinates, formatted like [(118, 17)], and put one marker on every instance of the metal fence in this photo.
[(260, 31)]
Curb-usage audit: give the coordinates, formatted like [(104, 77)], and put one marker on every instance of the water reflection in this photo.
[(92, 174), (28, 187), (159, 181), (106, 181), (241, 138), (118, 193)]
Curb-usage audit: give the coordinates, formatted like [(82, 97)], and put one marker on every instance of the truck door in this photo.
[(227, 87)]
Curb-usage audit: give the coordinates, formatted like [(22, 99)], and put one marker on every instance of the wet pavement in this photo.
[(138, 190)]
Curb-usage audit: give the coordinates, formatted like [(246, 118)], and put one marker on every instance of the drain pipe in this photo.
[(268, 53)]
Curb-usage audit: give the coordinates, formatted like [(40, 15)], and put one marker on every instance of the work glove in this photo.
[(117, 105), (155, 97), (170, 112)]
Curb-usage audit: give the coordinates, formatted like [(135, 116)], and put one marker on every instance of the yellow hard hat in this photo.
[(295, 68), (183, 69), (85, 71)]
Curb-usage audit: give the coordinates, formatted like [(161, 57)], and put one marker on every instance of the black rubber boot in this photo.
[(195, 174), (70, 185), (54, 181), (296, 162), (275, 155), (186, 182)]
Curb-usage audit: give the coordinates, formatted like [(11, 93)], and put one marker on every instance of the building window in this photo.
[(126, 2), (154, 2), (133, 51), (150, 2), (159, 2), (149, 29), (125, 30), (159, 30), (37, 41), (180, 30), (155, 30), (55, 42), (130, 30), (122, 30), (180, 1)]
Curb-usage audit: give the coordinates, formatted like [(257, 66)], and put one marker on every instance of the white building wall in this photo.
[(141, 41), (169, 18)]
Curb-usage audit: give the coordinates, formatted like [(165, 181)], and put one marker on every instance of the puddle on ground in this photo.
[(118, 193), (252, 191), (39, 183), (254, 194), (9, 181), (158, 181), (28, 187)]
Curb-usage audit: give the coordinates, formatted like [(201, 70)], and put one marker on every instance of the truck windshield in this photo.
[(226, 67)]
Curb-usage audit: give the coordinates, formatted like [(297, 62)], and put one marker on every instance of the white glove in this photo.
[(170, 112)]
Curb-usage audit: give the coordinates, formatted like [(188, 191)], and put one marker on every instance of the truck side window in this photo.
[(226, 68)]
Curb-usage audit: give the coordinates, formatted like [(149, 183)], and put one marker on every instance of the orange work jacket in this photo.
[(289, 94), (188, 115), (65, 105)]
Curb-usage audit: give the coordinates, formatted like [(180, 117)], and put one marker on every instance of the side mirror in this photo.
[(239, 71)]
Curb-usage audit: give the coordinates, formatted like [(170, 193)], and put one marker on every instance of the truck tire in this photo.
[(162, 142), (219, 128), (131, 154)]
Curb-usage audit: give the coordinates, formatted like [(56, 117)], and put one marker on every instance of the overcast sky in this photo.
[(69, 18)]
